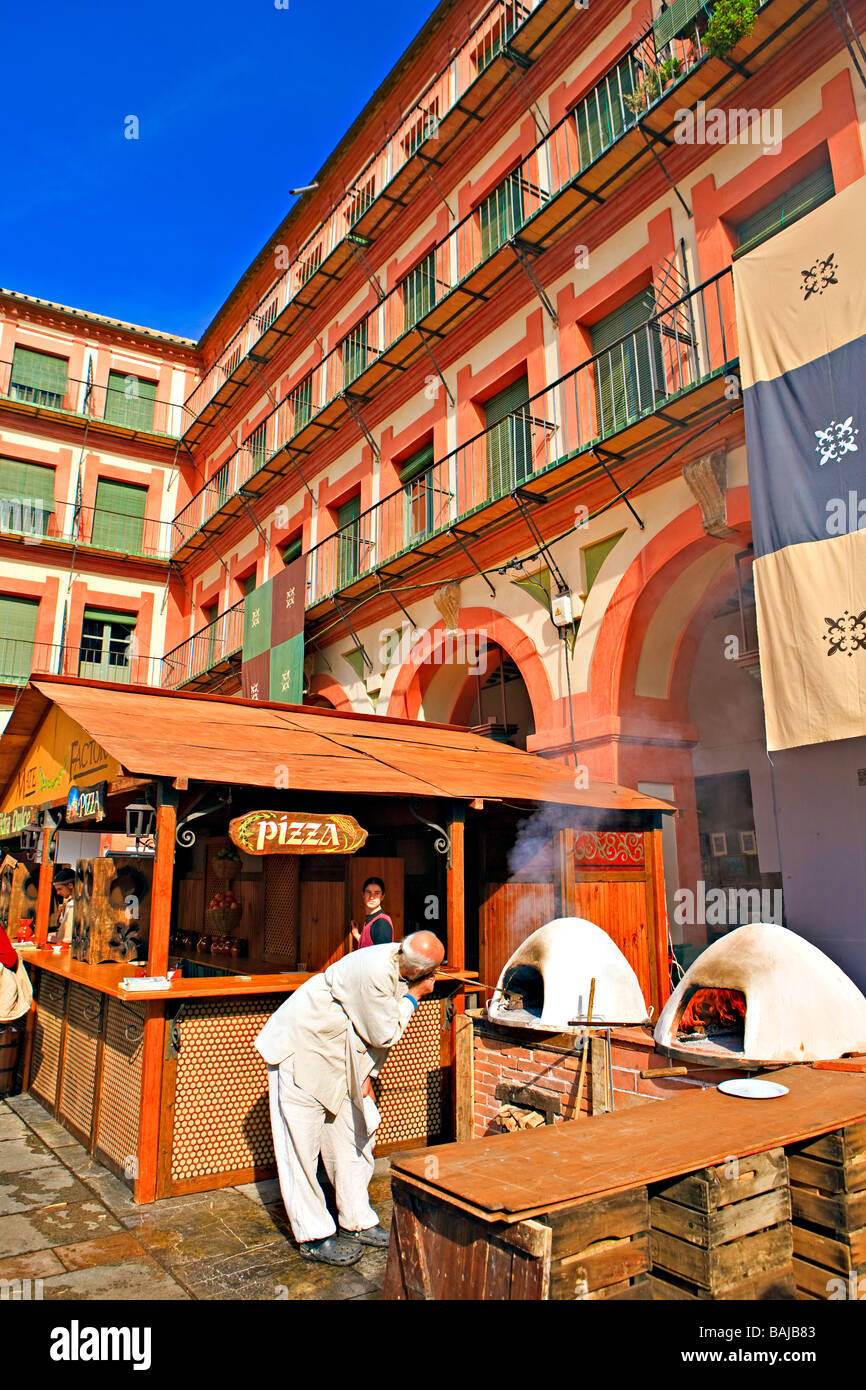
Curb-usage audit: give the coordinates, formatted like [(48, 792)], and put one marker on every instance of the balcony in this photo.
[(121, 412), (443, 117), (116, 662), (585, 159), (37, 522), (212, 654), (647, 389)]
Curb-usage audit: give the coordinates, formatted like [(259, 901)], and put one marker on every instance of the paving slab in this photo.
[(47, 1129), (20, 1191), (22, 1155), (37, 1265), (119, 1248), (11, 1127), (266, 1192), (44, 1227), (142, 1280)]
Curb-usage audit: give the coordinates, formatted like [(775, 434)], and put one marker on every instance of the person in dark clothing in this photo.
[(378, 929)]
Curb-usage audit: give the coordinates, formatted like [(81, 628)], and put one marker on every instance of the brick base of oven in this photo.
[(543, 1075)]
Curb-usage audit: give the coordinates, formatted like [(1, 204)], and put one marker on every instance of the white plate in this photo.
[(753, 1088)]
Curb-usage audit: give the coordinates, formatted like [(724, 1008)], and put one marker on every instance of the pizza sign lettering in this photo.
[(294, 832)]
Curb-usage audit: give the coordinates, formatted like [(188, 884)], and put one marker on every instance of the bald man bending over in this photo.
[(322, 1047)]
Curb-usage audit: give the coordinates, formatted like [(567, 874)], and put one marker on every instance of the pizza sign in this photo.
[(294, 832)]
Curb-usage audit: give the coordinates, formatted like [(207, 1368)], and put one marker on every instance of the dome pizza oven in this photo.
[(762, 995), (546, 982)]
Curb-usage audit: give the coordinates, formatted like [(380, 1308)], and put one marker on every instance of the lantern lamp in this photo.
[(140, 820)]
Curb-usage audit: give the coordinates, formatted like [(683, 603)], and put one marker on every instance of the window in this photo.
[(494, 42), (130, 401), (604, 114), (266, 316), (809, 193), (418, 477), (354, 348), (418, 291), (17, 635), (501, 214), (629, 372), (211, 613), (361, 200), (348, 540), (106, 645), (231, 361), (310, 265), (26, 497), (218, 489), (248, 583), (674, 18), (509, 442), (256, 444), (301, 401), (118, 518), (38, 377), (294, 549)]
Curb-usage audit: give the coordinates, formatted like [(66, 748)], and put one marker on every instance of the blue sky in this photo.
[(237, 101)]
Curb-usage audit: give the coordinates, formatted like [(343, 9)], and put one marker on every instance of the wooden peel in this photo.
[(579, 1101)]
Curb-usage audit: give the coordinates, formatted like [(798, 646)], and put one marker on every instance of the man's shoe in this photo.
[(333, 1250), (374, 1235)]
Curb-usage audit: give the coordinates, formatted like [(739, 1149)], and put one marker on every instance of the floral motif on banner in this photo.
[(609, 849)]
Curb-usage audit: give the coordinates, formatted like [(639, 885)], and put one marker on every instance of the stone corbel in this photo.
[(707, 480)]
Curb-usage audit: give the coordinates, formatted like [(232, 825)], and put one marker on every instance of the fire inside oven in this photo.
[(523, 993), (715, 1017)]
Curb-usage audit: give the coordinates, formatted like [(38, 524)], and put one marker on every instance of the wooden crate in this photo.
[(724, 1232), (598, 1249), (828, 1198), (112, 909)]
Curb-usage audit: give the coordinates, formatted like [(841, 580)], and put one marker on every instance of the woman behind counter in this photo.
[(378, 929)]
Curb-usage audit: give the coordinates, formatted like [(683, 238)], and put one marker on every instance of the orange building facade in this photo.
[(484, 377)]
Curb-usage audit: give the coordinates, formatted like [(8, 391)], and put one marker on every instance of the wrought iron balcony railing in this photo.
[(207, 649), (614, 106), (103, 660), (687, 344), (34, 519), (128, 407)]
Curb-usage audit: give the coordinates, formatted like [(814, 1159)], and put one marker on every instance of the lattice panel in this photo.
[(221, 1118), (120, 1099), (47, 1037), (78, 1079), (409, 1090), (281, 907)]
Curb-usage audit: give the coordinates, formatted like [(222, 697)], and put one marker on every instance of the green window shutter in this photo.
[(603, 115), (417, 477), (26, 497), (257, 444), (418, 463), (674, 19), (18, 618), (210, 616), (419, 291), (38, 377), (629, 374), (810, 193), (130, 401), (118, 519), (293, 550), (302, 404), (249, 583), (106, 645), (355, 353), (509, 443), (348, 540), (501, 214)]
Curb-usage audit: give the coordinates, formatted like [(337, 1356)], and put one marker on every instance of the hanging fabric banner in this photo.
[(273, 650), (801, 320)]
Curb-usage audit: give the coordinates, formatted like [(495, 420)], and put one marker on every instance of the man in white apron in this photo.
[(322, 1047)]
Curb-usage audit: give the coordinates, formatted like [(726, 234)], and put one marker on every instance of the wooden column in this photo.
[(565, 901), (154, 1024), (43, 898), (163, 879), (455, 907), (658, 924)]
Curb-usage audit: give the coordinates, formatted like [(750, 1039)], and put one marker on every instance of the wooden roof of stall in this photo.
[(209, 738)]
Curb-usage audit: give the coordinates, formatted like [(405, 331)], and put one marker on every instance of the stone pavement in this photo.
[(67, 1221)]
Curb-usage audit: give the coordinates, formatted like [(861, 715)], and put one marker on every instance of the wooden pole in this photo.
[(163, 877), (580, 1084), (154, 1024), (455, 907), (43, 897), (566, 905)]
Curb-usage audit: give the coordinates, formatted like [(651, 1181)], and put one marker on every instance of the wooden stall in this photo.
[(166, 1088)]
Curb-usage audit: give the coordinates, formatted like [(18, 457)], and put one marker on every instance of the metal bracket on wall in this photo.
[(521, 501), (186, 837), (175, 1014), (443, 844), (352, 404), (650, 144), (452, 531), (522, 250), (601, 455), (426, 162), (348, 623), (365, 266), (245, 500), (429, 351)]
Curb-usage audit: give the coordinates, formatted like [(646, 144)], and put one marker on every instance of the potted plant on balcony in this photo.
[(654, 79), (732, 21)]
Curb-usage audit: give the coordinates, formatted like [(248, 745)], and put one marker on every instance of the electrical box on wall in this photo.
[(565, 608)]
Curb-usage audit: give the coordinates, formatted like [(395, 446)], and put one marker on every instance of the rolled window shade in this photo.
[(417, 464)]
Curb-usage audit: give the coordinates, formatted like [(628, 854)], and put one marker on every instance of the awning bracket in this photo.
[(359, 421), (520, 249), (452, 531), (429, 351), (442, 845), (600, 455), (369, 272), (650, 144), (348, 623), (520, 501)]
